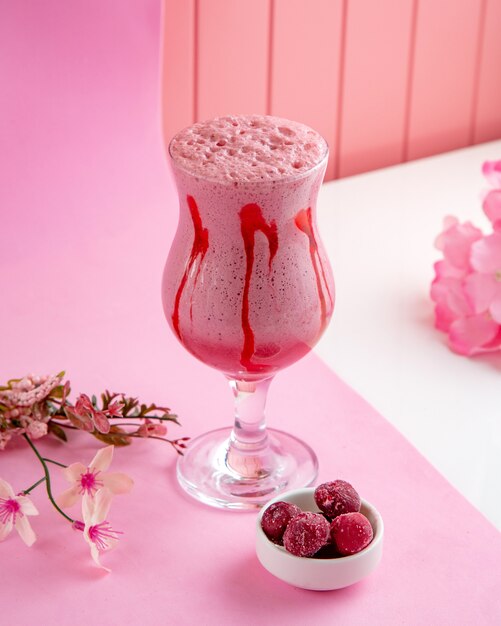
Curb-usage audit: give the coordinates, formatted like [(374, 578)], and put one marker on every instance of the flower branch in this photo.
[(37, 406)]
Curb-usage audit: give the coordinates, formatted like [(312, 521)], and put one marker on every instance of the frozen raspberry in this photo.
[(350, 533), (306, 534), (336, 498), (275, 520)]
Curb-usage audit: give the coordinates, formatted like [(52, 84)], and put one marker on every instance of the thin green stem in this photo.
[(47, 479), (27, 491), (54, 462)]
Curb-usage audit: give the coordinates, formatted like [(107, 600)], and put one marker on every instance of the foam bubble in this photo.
[(247, 148)]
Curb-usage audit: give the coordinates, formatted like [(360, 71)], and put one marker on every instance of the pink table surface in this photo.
[(87, 215)]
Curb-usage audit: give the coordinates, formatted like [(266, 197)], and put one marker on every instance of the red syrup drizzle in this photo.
[(252, 220), (198, 249), (303, 221)]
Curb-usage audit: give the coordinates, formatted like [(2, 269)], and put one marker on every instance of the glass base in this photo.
[(219, 474)]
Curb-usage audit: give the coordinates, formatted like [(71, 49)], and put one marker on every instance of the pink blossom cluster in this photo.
[(467, 285), (24, 407), (90, 484), (86, 417)]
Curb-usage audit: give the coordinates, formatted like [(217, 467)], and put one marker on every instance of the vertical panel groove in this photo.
[(342, 57), (271, 26), (478, 65), (410, 77), (196, 13)]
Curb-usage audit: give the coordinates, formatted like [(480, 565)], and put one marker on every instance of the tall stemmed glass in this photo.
[(248, 290)]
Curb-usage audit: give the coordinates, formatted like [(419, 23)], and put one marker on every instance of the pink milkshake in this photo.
[(247, 287)]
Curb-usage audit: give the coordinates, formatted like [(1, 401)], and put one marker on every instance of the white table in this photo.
[(379, 230)]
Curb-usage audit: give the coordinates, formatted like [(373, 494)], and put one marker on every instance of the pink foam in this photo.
[(247, 148)]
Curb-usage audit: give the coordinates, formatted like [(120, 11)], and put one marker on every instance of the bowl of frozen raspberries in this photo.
[(321, 539)]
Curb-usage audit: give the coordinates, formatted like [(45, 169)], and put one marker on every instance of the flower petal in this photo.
[(443, 317), (73, 472), (118, 482), (455, 242), (480, 289), (444, 269), (27, 506), (68, 497), (95, 555), (492, 206), (492, 171), (88, 507), (102, 503), (25, 530), (486, 254), (495, 307), (469, 334), (103, 459), (6, 490), (5, 529)]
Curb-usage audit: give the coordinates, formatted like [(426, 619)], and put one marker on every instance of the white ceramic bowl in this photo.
[(319, 574)]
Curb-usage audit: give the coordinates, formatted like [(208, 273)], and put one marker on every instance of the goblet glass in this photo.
[(247, 289)]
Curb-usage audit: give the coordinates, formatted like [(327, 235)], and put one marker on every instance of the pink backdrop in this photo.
[(384, 81)]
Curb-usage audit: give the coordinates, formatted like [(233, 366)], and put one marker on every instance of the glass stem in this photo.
[(248, 453)]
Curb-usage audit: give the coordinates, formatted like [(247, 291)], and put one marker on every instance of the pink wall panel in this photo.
[(375, 86), (383, 81), (305, 71), (443, 76), (178, 55), (232, 59), (488, 109)]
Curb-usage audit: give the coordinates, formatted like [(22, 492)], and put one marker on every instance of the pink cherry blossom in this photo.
[(14, 511), (483, 288), (87, 480), (492, 208), (492, 171), (455, 242), (467, 288), (98, 532), (474, 334)]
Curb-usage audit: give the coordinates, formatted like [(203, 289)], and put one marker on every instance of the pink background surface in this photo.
[(87, 215), (384, 82)]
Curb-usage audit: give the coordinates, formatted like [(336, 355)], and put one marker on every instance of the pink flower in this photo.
[(455, 241), (114, 409), (492, 171), (30, 390), (483, 287), (98, 532), (466, 299), (86, 481), (492, 208), (36, 429), (14, 511), (150, 428), (84, 416), (474, 334)]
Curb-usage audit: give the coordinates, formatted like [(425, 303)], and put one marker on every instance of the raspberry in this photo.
[(350, 533), (336, 498), (275, 520), (306, 534)]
